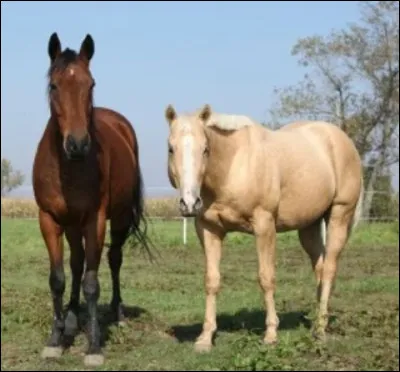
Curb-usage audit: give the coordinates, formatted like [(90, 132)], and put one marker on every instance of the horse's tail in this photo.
[(359, 207), (138, 213), (323, 231)]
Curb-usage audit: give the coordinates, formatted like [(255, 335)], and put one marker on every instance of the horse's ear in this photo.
[(205, 113), (54, 47), (170, 114), (87, 48)]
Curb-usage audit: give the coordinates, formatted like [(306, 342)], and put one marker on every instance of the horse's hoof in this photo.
[(71, 325), (319, 336), (202, 347), (52, 352), (93, 360), (122, 323), (270, 340), (118, 314)]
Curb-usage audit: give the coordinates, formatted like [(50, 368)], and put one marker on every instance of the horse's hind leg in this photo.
[(338, 231), (77, 260), (312, 240), (52, 235), (119, 233)]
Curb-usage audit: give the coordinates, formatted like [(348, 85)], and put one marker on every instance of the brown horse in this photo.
[(86, 171), (236, 175)]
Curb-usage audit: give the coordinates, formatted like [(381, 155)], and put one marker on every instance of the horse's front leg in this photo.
[(211, 239), (94, 234), (266, 240), (52, 235), (77, 261)]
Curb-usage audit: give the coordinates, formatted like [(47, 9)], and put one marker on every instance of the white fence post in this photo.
[(184, 231)]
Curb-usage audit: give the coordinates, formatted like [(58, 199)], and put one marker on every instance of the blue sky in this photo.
[(149, 54)]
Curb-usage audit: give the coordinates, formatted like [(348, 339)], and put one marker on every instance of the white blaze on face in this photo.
[(188, 174)]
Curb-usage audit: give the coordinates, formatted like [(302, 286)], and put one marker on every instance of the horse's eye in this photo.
[(53, 86), (93, 85), (170, 150), (206, 151)]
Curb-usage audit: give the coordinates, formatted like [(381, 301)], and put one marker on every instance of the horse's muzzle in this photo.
[(190, 209), (77, 148)]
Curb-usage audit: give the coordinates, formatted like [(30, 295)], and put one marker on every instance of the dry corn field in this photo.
[(166, 208)]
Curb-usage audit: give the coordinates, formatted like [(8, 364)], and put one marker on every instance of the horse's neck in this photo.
[(54, 138), (222, 151)]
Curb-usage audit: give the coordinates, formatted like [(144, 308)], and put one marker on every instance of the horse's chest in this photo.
[(69, 197), (228, 219), (80, 197)]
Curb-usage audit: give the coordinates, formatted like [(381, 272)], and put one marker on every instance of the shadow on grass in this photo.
[(252, 321), (107, 319)]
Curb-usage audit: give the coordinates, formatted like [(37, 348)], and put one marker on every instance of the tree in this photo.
[(353, 81), (383, 204), (10, 179)]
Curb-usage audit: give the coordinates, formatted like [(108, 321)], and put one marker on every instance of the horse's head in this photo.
[(188, 156), (70, 94)]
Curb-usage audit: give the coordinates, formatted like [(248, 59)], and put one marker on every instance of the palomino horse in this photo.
[(86, 171), (236, 175)]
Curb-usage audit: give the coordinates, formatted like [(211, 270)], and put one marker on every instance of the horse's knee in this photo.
[(317, 264), (266, 281), (57, 281), (213, 283), (91, 286), (329, 269)]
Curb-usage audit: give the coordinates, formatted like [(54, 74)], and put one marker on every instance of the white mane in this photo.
[(229, 122)]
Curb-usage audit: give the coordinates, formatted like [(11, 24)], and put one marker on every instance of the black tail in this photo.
[(139, 217)]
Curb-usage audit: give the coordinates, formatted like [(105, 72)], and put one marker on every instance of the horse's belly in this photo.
[(299, 210), (120, 205), (120, 194)]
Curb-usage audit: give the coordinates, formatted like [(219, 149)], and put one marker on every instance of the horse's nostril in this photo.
[(71, 145), (78, 147), (86, 146), (182, 204), (86, 141), (198, 204)]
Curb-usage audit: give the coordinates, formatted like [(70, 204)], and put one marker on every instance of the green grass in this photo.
[(165, 302)]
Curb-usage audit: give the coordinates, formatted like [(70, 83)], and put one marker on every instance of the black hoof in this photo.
[(118, 313)]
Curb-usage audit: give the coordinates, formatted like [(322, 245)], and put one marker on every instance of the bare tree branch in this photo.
[(353, 82)]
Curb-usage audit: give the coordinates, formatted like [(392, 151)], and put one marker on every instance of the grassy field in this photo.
[(166, 306)]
